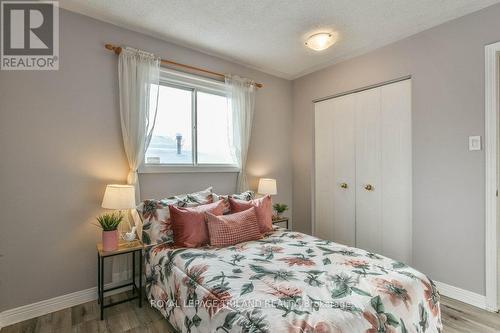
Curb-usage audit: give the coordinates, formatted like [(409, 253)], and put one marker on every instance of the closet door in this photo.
[(323, 216), (344, 171), (368, 171), (396, 170), (335, 170)]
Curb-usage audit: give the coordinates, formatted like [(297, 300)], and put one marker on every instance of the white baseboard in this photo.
[(41, 308), (465, 296)]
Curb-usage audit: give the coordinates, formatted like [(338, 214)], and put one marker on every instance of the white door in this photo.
[(396, 170), (344, 171), (368, 170), (335, 170), (323, 200), (363, 161)]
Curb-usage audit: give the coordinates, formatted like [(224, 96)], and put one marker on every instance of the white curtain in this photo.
[(138, 77), (241, 99)]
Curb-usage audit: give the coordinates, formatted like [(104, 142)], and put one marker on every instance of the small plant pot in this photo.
[(110, 240)]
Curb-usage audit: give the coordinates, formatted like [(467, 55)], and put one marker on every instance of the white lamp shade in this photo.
[(267, 186), (119, 197)]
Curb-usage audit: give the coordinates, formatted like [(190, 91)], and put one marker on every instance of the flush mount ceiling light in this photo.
[(321, 41)]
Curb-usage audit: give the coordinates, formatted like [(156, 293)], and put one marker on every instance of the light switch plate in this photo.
[(474, 143)]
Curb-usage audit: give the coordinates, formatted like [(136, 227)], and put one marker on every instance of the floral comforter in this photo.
[(289, 282)]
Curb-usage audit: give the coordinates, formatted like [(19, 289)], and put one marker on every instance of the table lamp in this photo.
[(267, 186), (119, 197)]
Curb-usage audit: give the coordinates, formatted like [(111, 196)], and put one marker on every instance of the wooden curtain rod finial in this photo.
[(118, 50), (113, 48)]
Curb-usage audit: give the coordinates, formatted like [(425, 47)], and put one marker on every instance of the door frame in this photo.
[(492, 87)]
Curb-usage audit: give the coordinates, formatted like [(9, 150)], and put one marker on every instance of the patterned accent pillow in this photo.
[(227, 230), (156, 224), (244, 196), (195, 199)]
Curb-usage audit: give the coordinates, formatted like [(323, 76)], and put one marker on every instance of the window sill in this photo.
[(158, 168)]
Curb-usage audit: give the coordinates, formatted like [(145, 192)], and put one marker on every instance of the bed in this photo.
[(288, 282)]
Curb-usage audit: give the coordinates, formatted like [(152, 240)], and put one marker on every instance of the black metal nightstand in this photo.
[(281, 220), (123, 248)]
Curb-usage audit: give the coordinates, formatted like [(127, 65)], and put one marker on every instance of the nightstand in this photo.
[(281, 220), (124, 248)]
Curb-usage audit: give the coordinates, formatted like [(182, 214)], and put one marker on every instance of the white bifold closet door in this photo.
[(363, 170), (335, 162), (368, 166), (396, 170)]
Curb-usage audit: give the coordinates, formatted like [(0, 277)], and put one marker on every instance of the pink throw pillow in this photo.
[(188, 224), (263, 210), (234, 228)]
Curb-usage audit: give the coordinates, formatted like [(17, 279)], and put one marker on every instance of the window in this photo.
[(193, 127)]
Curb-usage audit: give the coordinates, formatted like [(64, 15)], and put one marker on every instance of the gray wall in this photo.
[(447, 65), (61, 144)]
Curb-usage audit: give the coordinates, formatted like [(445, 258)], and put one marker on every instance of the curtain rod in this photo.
[(118, 50)]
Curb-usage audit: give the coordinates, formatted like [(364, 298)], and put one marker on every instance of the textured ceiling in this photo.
[(269, 35)]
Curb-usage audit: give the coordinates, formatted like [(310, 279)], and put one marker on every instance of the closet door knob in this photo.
[(369, 187), (343, 185)]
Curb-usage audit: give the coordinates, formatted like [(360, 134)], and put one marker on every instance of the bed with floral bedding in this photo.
[(289, 282)]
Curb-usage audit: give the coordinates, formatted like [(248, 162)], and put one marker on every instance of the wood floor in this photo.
[(127, 317), (84, 318), (459, 317)]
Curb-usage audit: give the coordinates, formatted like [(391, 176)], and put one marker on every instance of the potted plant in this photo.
[(109, 224), (280, 209)]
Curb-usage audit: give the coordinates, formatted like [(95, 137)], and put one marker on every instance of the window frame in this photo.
[(194, 84)]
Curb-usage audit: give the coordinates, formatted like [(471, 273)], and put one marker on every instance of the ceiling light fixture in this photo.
[(321, 41)]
